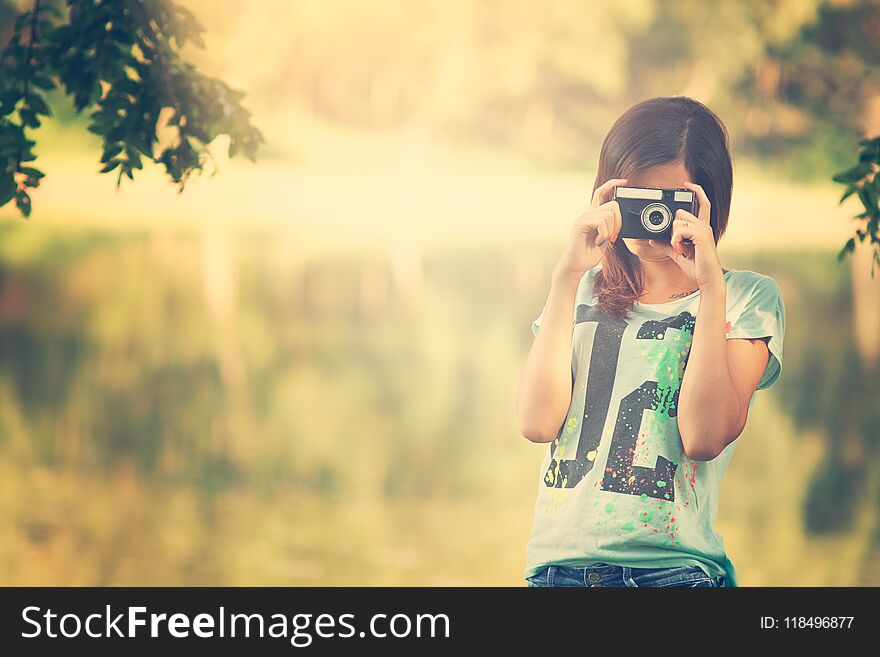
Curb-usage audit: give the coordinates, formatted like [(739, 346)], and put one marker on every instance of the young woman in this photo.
[(642, 374)]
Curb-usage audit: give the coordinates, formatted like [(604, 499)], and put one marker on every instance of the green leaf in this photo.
[(38, 105), (29, 119), (854, 174), (7, 188), (31, 172), (847, 248), (23, 203), (111, 151), (94, 95), (142, 145), (870, 154), (112, 164), (43, 81), (868, 197), (850, 190), (126, 85)]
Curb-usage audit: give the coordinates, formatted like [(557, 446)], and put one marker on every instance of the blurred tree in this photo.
[(862, 179), (826, 78), (829, 72), (8, 12), (121, 60)]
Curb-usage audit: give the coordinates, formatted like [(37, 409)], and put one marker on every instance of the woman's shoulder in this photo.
[(743, 284), (746, 278)]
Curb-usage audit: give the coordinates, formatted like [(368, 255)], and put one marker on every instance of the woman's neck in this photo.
[(663, 279)]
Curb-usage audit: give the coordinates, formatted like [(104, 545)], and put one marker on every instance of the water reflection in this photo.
[(199, 408)]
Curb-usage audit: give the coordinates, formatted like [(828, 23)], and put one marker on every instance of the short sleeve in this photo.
[(583, 295), (762, 315)]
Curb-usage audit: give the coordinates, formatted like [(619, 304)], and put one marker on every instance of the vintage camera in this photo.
[(647, 212)]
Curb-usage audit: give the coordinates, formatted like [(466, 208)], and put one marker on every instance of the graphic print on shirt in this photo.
[(568, 473), (668, 351)]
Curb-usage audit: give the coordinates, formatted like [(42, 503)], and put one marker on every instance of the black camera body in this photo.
[(646, 213)]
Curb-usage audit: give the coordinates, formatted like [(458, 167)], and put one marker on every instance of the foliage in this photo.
[(830, 70), (120, 60), (862, 180)]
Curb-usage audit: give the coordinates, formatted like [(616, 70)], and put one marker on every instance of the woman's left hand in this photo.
[(697, 258)]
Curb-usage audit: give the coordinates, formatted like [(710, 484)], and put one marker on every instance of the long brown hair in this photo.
[(662, 130)]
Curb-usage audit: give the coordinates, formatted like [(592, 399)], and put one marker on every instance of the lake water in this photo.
[(200, 408)]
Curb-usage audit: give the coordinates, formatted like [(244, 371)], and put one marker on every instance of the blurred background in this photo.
[(303, 372)]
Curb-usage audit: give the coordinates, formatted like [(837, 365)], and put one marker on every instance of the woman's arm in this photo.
[(545, 386), (719, 380)]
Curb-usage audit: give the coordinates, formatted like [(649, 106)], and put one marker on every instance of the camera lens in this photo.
[(656, 217)]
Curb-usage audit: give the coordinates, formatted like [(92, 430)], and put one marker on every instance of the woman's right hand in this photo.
[(593, 232)]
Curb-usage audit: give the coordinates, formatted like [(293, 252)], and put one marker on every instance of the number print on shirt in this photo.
[(669, 351), (661, 397), (567, 473)]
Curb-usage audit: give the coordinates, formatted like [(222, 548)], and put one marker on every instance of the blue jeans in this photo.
[(605, 574)]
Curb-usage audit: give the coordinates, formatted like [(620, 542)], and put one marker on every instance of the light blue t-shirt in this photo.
[(616, 486)]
